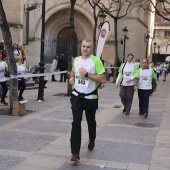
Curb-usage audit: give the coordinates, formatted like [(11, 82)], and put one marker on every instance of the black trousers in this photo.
[(126, 95), (5, 90), (157, 75), (63, 75), (21, 87), (78, 104), (143, 100)]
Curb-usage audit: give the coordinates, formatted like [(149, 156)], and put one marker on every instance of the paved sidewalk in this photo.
[(41, 140)]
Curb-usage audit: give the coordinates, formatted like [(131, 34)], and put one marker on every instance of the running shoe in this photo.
[(127, 114), (145, 115), (124, 111), (91, 145), (75, 157), (141, 114), (4, 102)]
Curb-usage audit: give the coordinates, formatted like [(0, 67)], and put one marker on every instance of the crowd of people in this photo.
[(141, 77), (86, 75), (19, 55)]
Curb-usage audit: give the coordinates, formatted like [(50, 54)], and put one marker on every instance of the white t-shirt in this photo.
[(21, 69), (128, 73), (137, 64), (158, 69), (54, 65), (83, 84), (16, 53), (145, 78), (2, 67)]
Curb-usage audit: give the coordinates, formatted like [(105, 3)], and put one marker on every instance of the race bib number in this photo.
[(81, 82)]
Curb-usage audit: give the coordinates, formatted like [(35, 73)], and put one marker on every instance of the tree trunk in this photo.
[(10, 58), (69, 90), (116, 50)]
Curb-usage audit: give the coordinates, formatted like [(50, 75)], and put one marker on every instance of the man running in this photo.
[(86, 73)]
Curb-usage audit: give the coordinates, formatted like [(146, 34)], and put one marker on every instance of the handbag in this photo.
[(6, 74)]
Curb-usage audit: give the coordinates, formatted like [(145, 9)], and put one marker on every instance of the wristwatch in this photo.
[(86, 75)]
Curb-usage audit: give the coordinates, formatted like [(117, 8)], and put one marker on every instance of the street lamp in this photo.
[(147, 40), (159, 49), (102, 17), (31, 7), (42, 64), (155, 45), (125, 31)]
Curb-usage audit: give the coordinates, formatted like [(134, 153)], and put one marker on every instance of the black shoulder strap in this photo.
[(88, 94), (122, 72)]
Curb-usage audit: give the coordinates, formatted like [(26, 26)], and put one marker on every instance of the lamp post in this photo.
[(42, 64), (155, 45), (147, 40), (154, 54), (159, 49), (125, 31), (102, 17)]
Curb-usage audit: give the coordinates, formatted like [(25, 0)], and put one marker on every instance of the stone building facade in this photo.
[(161, 36), (26, 29)]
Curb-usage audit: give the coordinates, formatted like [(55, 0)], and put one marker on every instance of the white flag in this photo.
[(102, 38)]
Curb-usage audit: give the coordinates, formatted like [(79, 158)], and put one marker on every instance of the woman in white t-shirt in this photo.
[(16, 51), (54, 68), (126, 80), (164, 71), (137, 63), (21, 69), (3, 67)]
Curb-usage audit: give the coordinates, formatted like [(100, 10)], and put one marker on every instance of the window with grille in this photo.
[(166, 34)]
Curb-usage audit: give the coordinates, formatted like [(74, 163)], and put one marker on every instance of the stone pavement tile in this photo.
[(116, 140), (45, 160), (23, 166), (59, 114), (157, 168), (5, 119), (8, 162), (77, 166), (132, 166), (119, 152), (16, 153), (138, 134), (45, 126), (26, 142), (94, 162), (120, 119), (119, 165), (83, 160), (163, 141), (162, 151), (59, 150), (163, 161), (163, 132)]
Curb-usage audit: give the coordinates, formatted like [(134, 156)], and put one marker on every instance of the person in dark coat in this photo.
[(62, 66)]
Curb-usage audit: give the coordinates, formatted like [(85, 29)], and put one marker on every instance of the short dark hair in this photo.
[(131, 55), (88, 40)]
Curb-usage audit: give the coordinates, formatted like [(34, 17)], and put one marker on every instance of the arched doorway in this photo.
[(63, 40)]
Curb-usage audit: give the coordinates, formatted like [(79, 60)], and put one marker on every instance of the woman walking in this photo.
[(54, 68), (158, 71), (126, 78), (3, 67)]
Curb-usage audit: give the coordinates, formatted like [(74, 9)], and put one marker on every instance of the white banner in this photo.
[(102, 38)]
